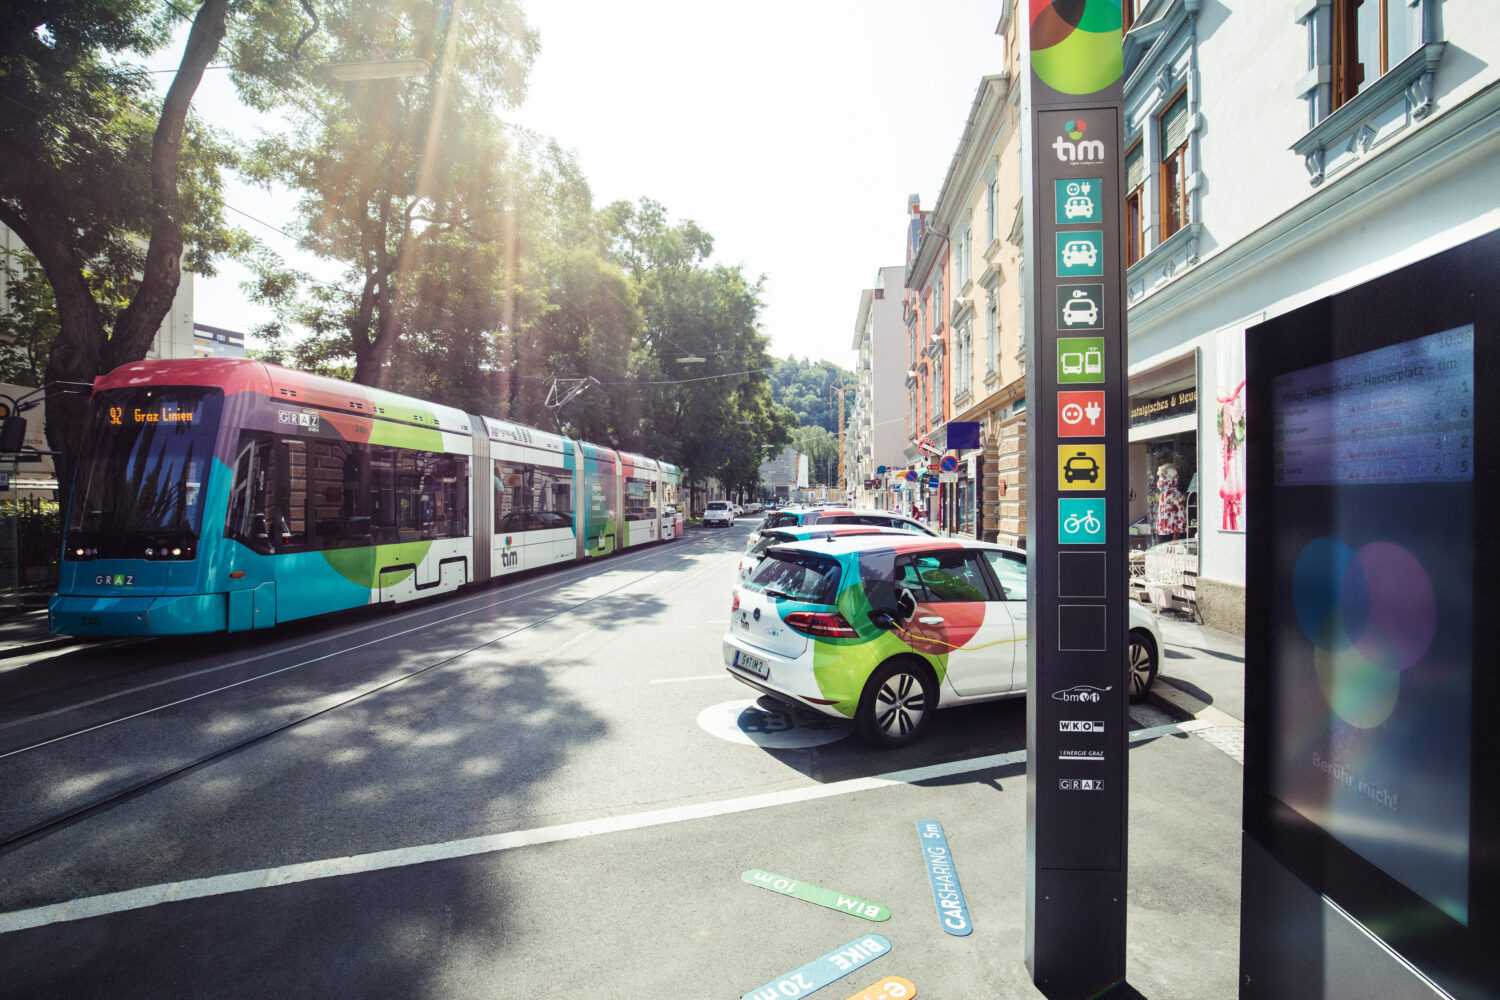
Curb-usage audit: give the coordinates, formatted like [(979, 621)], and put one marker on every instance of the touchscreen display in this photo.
[(1373, 606)]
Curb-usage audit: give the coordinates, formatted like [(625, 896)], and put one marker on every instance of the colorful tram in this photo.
[(221, 495)]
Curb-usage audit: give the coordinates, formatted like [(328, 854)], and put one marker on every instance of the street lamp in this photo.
[(691, 359)]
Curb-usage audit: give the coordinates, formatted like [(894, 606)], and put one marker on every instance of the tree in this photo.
[(405, 181), (693, 413), (805, 387), (107, 189)]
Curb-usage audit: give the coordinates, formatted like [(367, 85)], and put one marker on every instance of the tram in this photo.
[(222, 495)]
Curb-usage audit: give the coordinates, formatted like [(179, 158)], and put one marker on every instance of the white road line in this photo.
[(701, 677), (217, 885)]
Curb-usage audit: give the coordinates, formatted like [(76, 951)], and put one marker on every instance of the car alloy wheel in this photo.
[(1141, 658), (897, 705)]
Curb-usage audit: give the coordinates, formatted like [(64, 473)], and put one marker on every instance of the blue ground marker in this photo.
[(953, 912), (820, 972)]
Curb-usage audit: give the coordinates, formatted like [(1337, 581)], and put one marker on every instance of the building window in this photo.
[(938, 298), (1368, 38), (937, 390), (1135, 192), (992, 210), (992, 335), (1173, 125)]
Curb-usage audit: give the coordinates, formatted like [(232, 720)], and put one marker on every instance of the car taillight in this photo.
[(822, 624)]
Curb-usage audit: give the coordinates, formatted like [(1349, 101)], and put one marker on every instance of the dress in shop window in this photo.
[(1171, 509)]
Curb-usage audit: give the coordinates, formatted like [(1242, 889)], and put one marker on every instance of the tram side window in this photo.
[(297, 494), (532, 497), (640, 499)]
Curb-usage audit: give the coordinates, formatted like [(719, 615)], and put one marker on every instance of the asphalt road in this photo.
[(543, 789)]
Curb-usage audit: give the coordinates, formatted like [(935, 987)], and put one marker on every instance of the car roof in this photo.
[(900, 541)]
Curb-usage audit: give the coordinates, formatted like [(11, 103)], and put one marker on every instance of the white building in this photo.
[(875, 434), (1275, 155)]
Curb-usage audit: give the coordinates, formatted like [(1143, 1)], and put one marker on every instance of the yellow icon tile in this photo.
[(1080, 467)]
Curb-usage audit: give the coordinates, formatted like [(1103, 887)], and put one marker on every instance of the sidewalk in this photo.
[(24, 630)]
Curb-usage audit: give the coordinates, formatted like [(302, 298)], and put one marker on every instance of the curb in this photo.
[(1181, 705)]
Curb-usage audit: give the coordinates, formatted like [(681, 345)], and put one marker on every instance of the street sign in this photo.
[(1075, 345), (949, 463)]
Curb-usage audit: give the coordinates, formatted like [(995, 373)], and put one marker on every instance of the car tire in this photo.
[(1142, 664), (897, 704)]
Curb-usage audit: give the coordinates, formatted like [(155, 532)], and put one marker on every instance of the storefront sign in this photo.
[(1149, 409)]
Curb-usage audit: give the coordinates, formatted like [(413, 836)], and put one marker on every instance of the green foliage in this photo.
[(412, 184), (38, 529), (807, 389), (28, 323)]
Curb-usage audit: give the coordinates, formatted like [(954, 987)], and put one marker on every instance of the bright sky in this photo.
[(791, 130)]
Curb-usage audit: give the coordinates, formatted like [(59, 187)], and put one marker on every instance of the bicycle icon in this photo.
[(1089, 524)]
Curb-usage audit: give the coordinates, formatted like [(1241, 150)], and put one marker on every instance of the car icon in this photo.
[(1079, 252), (1079, 207), (1080, 310), (1081, 466)]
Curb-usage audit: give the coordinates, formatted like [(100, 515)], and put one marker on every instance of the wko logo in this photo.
[(1080, 150)]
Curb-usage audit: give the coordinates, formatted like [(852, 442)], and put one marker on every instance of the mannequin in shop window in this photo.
[(1171, 508)]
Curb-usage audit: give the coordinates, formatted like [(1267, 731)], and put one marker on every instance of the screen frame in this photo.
[(1451, 289)]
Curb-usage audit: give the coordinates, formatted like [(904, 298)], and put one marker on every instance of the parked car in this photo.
[(802, 516), (778, 536), (886, 629), (718, 512)]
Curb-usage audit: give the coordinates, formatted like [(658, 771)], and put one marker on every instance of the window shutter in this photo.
[(1174, 126), (1135, 167)]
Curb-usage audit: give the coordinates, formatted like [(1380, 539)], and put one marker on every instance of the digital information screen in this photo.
[(1372, 600)]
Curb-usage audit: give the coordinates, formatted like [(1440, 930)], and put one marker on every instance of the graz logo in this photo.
[(296, 418), (115, 579), (1079, 726), (1083, 693), (1081, 150)]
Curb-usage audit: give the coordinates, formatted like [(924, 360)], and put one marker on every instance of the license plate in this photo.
[(753, 664)]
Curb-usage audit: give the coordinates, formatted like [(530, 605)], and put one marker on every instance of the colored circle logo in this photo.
[(1075, 130), (1370, 614), (1077, 46)]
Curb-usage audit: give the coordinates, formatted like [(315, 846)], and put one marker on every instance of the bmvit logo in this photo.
[(1082, 693), (1080, 150), (1079, 726)]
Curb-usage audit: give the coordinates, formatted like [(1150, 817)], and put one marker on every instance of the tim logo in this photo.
[(509, 557), (1080, 150)]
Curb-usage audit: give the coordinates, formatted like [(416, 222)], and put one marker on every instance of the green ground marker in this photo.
[(815, 894)]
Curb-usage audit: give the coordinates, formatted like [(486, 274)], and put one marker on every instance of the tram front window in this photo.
[(141, 484)]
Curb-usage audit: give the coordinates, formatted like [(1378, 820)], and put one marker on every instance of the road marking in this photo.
[(701, 677), (264, 878)]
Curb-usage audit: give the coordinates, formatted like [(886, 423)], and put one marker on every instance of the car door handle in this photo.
[(931, 620)]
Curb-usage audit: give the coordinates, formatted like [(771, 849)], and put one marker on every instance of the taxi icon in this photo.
[(1081, 467), (1080, 309)]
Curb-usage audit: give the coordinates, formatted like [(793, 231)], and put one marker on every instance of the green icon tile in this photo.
[(1079, 200), (1080, 360)]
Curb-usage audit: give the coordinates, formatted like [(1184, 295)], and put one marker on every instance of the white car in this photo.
[(1080, 310), (720, 513), (1079, 252)]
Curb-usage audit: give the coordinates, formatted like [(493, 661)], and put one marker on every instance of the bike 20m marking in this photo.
[(820, 972)]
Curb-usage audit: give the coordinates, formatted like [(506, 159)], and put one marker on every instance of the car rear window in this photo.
[(797, 576)]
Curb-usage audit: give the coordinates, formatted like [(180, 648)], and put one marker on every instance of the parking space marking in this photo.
[(216, 885), (700, 677)]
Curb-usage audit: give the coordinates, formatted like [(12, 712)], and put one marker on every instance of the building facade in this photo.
[(1277, 153), (875, 436), (968, 254)]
